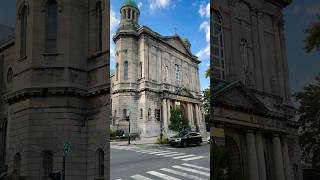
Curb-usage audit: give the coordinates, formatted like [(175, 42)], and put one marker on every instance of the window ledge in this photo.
[(22, 58)]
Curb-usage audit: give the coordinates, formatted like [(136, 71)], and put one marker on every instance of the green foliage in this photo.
[(178, 123), (312, 40), (309, 121), (221, 169), (165, 140)]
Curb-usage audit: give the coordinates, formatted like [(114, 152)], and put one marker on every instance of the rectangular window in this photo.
[(178, 73), (124, 113)]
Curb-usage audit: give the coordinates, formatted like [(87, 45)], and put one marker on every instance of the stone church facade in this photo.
[(250, 87), (153, 75), (54, 88)]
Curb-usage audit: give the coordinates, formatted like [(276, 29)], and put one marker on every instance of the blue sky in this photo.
[(188, 18), (298, 16)]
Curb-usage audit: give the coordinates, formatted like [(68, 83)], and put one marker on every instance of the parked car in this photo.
[(185, 139)]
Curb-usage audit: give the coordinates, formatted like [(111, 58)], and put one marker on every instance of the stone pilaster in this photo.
[(164, 116), (286, 159), (278, 159), (252, 156), (261, 159)]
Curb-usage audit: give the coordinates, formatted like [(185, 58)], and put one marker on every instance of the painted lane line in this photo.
[(195, 166), (167, 153), (193, 158), (182, 174), (163, 176), (139, 177), (192, 170), (174, 155), (180, 157)]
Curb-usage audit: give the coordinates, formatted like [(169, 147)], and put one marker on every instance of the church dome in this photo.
[(130, 3)]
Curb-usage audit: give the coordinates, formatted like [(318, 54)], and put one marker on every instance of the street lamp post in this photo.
[(128, 119)]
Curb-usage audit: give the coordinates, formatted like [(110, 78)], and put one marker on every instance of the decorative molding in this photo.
[(45, 2)]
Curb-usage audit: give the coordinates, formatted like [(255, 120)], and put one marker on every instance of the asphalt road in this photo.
[(145, 162)]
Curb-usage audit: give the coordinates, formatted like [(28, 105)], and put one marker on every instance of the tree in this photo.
[(312, 40), (178, 123), (309, 122)]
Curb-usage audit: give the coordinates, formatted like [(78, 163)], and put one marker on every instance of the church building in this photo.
[(153, 75), (250, 88), (55, 90)]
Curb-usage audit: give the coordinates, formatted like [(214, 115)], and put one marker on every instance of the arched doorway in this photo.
[(233, 154)]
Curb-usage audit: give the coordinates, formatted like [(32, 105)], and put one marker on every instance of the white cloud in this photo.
[(114, 21), (159, 4), (204, 10), (139, 5)]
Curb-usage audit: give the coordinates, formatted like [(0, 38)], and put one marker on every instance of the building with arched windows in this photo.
[(54, 89), (154, 74), (250, 88)]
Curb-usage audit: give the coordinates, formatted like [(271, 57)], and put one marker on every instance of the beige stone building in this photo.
[(153, 74), (54, 88), (250, 87)]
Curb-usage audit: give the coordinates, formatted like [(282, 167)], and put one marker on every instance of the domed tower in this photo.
[(127, 65), (129, 15)]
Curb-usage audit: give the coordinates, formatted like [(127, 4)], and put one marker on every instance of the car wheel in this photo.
[(184, 144)]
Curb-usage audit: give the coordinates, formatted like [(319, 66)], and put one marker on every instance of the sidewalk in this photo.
[(145, 141)]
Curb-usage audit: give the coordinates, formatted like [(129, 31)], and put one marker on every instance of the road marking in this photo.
[(166, 153), (180, 157), (163, 176), (195, 166), (192, 170), (174, 155), (182, 174), (139, 177), (193, 158)]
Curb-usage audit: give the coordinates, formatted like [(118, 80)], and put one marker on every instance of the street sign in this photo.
[(66, 148)]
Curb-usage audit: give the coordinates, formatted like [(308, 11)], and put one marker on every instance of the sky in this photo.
[(187, 18), (171, 13)]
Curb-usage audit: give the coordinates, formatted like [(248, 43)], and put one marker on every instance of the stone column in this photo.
[(165, 115), (278, 160), (252, 156), (286, 159), (191, 117), (261, 159), (168, 110)]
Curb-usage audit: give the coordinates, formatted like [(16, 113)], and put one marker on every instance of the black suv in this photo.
[(185, 139)]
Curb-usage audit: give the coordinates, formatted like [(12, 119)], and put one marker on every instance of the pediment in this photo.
[(237, 96), (177, 43), (184, 92)]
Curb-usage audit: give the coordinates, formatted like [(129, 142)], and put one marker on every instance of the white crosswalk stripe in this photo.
[(180, 157), (164, 152), (139, 177), (175, 172), (195, 166), (193, 158), (163, 176), (179, 173), (192, 170)]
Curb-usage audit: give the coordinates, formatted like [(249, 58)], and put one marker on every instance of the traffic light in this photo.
[(55, 176)]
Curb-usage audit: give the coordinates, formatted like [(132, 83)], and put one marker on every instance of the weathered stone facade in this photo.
[(250, 87), (154, 73), (55, 89)]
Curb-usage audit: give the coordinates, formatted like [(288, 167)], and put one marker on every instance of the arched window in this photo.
[(100, 163), (178, 73), (51, 26), (149, 113), (124, 113), (217, 50), (47, 163), (99, 25), (140, 69), (17, 164), (117, 71), (125, 70), (141, 113), (23, 31), (129, 13)]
